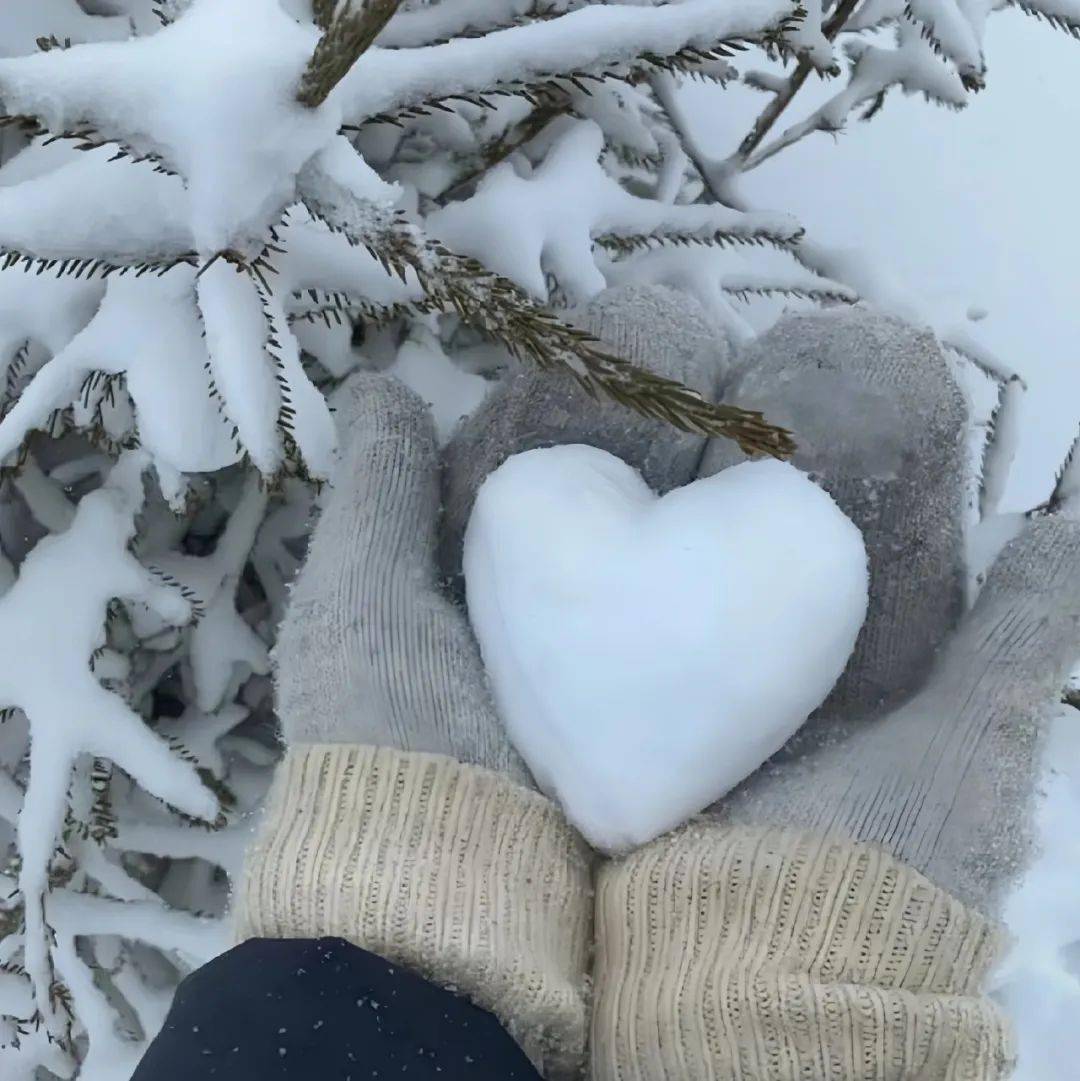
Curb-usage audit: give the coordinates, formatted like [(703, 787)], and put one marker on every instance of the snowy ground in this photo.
[(971, 212)]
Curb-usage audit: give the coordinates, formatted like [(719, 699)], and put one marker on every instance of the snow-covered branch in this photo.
[(592, 38)]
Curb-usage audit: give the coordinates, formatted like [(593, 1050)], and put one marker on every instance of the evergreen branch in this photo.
[(322, 12), (548, 91), (509, 144), (30, 125), (502, 310), (783, 98), (834, 294), (529, 332), (1066, 487), (11, 379), (102, 815), (286, 410), (87, 138), (875, 106), (972, 80), (1064, 20), (89, 267), (196, 603), (347, 37), (338, 308), (627, 243), (410, 31)]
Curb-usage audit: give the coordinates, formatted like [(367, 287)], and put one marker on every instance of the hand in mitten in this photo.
[(697, 932), (401, 818), (829, 919)]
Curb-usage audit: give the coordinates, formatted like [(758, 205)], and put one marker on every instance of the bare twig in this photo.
[(783, 98), (526, 131)]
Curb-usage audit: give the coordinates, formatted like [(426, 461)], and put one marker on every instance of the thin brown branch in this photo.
[(502, 310), (773, 111), (526, 131), (322, 12), (348, 36)]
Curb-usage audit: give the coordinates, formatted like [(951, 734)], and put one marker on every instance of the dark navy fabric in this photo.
[(324, 1010)]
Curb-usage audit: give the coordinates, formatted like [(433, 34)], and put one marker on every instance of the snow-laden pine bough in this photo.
[(203, 203)]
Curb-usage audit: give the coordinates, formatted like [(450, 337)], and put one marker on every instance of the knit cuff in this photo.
[(774, 955), (452, 870)]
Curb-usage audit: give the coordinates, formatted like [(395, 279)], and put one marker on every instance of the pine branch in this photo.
[(14, 372), (775, 109), (102, 824), (86, 138), (549, 90), (1063, 19), (460, 21), (503, 311), (509, 144), (347, 37), (336, 308), (29, 125), (875, 106), (499, 308), (89, 267), (322, 12), (1065, 496), (825, 294), (972, 80), (628, 243)]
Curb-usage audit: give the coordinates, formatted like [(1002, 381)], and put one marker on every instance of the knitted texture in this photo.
[(463, 876), (369, 651), (749, 954), (879, 422), (655, 327)]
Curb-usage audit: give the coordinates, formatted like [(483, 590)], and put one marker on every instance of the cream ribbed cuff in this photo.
[(448, 869), (769, 955)]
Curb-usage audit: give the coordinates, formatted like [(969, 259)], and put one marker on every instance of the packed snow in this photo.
[(1039, 982), (211, 97), (648, 654), (51, 623), (556, 234)]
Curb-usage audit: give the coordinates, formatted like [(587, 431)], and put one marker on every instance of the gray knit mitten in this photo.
[(823, 922), (828, 919), (402, 819)]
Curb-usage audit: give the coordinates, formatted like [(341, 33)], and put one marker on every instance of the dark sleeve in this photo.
[(307, 1009)]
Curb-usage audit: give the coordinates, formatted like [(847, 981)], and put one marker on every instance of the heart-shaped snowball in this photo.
[(649, 653)]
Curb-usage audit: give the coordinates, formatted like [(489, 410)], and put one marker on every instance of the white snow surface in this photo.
[(1039, 983), (649, 653), (567, 202), (51, 623), (215, 99), (449, 391), (597, 34)]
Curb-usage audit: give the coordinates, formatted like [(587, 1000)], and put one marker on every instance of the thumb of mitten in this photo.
[(370, 651)]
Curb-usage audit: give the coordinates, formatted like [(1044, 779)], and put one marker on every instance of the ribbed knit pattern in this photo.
[(748, 954), (463, 876)]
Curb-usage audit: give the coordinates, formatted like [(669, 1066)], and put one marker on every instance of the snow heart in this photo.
[(649, 653)]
